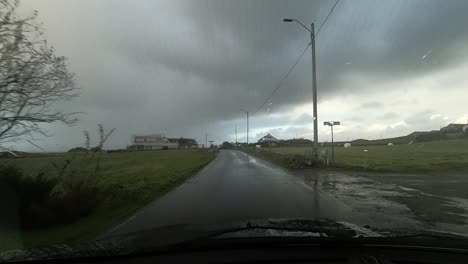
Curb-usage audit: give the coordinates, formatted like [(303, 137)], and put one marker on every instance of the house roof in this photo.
[(183, 141), (149, 135), (268, 138)]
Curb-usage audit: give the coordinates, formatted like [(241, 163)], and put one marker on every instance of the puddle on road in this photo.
[(407, 189), (367, 198), (461, 204), (450, 210), (391, 205)]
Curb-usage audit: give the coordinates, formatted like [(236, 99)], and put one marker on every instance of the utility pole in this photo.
[(331, 124), (247, 128), (235, 129), (314, 78), (314, 90), (333, 146), (247, 112), (206, 140)]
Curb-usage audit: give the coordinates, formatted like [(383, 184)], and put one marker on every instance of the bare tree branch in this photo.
[(32, 77)]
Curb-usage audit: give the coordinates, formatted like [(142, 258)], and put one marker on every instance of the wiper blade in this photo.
[(296, 227), (431, 234), (281, 231)]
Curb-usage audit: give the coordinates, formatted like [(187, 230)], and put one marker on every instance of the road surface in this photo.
[(237, 186)]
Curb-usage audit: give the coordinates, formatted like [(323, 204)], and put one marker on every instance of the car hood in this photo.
[(165, 238)]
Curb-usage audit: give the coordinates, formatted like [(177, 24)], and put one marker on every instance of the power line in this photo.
[(297, 61), (282, 80), (326, 18)]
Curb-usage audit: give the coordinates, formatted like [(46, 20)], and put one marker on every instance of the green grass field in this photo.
[(439, 156), (134, 178)]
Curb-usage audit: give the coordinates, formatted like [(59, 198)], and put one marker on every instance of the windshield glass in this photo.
[(132, 117)]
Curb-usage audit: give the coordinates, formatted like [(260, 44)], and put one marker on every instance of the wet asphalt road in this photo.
[(233, 187), (237, 186)]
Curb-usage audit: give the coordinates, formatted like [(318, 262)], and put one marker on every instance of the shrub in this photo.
[(227, 145), (73, 192), (96, 149), (78, 149), (78, 202), (10, 175), (42, 205)]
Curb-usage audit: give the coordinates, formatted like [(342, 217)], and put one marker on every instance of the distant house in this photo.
[(152, 142), (268, 140), (185, 142)]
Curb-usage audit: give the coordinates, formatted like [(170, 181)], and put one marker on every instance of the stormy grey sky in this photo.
[(186, 68)]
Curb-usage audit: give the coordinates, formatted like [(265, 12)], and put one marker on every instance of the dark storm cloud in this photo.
[(389, 39), (184, 66), (240, 49)]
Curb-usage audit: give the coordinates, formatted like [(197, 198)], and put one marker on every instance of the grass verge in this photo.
[(130, 179), (431, 157)]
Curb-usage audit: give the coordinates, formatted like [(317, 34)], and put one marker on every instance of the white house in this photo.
[(269, 139), (149, 142)]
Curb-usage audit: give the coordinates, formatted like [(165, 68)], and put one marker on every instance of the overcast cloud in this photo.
[(186, 68)]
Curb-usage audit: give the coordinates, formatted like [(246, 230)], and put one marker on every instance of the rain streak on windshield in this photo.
[(341, 118)]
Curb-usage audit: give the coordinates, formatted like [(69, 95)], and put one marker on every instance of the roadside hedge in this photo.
[(47, 201)]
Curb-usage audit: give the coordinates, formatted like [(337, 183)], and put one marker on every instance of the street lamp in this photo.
[(331, 124), (314, 80), (247, 112), (287, 20)]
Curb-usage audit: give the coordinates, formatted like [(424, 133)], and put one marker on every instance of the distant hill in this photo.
[(453, 128), (396, 140), (451, 131), (361, 141)]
